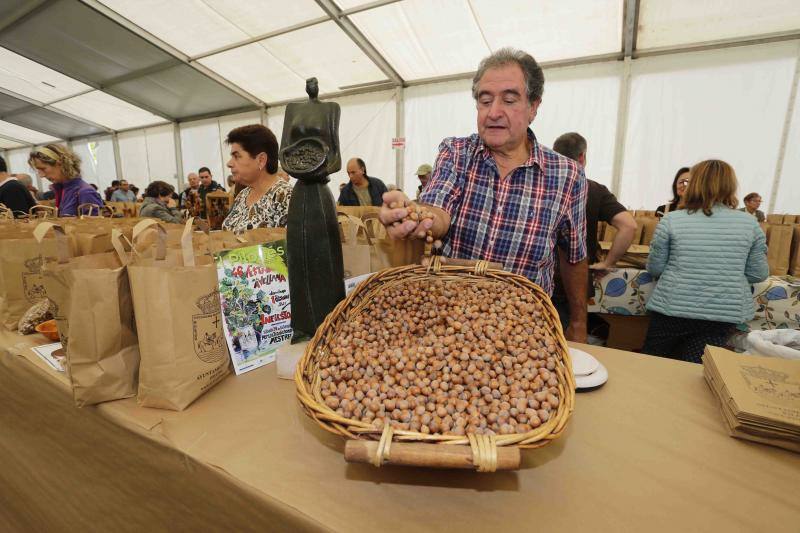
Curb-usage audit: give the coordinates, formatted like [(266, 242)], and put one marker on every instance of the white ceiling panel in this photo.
[(326, 52), (676, 22), (552, 31), (32, 80), (424, 39), (349, 4), (108, 111), (276, 69), (258, 72), (24, 134), (198, 26)]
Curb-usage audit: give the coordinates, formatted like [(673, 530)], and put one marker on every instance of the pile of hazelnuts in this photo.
[(444, 357)]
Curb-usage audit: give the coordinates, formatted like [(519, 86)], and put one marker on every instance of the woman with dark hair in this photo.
[(679, 184), (264, 201), (62, 167), (707, 255), (158, 203)]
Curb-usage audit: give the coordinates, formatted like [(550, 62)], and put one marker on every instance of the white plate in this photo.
[(583, 364), (595, 379)]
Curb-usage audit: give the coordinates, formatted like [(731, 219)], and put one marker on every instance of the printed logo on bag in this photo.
[(32, 282), (209, 342), (771, 385)]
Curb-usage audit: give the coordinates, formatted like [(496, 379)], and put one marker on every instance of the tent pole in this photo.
[(787, 126), (117, 158), (176, 135), (400, 131)]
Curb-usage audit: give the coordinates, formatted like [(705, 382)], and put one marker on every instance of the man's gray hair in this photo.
[(534, 77), (570, 145), (25, 179)]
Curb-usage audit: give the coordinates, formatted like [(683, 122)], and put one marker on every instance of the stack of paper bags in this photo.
[(759, 396)]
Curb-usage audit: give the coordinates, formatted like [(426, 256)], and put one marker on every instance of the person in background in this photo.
[(62, 167), (499, 195), (601, 206), (93, 186), (362, 189), (13, 193), (751, 204), (207, 185), (27, 181), (706, 256), (424, 175), (110, 190), (264, 202), (158, 203), (49, 194), (679, 184), (123, 193), (193, 189), (135, 191)]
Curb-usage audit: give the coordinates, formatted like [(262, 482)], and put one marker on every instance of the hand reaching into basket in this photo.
[(405, 219)]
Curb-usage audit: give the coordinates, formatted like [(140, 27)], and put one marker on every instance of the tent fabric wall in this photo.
[(787, 196), (724, 104), (97, 160)]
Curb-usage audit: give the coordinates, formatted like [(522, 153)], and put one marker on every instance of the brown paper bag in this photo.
[(358, 211), (357, 247), (779, 245), (648, 229), (774, 219), (794, 259), (93, 308), (388, 252), (21, 284), (178, 317)]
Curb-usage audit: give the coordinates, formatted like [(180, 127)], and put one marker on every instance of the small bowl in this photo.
[(49, 330)]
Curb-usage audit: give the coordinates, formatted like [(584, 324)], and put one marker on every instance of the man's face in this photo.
[(124, 185), (423, 178), (754, 203), (354, 171), (205, 178), (504, 112), (194, 180)]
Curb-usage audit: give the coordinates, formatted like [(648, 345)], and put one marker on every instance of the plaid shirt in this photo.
[(516, 221)]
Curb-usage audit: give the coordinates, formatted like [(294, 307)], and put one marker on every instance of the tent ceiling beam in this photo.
[(25, 11), (262, 37), (33, 104), (373, 88), (180, 56), (718, 44), (367, 7), (347, 26), (631, 27), (14, 139)]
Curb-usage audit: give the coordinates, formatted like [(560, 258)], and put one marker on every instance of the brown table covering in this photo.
[(647, 452)]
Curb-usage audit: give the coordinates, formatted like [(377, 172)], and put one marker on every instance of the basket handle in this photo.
[(480, 456)]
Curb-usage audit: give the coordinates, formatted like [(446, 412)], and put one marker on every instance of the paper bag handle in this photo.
[(45, 209), (62, 244), (116, 242), (161, 237), (187, 249), (359, 225), (369, 219)]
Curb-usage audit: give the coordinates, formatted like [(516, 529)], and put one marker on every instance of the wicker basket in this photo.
[(308, 380)]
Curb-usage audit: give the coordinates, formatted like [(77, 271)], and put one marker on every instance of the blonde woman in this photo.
[(62, 168), (706, 255)]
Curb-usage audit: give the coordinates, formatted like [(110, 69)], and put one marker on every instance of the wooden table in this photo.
[(647, 452)]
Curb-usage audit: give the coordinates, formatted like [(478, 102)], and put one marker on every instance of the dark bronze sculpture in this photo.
[(310, 152)]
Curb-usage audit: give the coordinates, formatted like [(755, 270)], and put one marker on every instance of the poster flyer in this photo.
[(254, 293)]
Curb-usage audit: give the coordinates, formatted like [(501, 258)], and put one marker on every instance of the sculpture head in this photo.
[(312, 88)]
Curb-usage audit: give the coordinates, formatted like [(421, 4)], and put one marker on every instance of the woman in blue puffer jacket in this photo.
[(707, 255)]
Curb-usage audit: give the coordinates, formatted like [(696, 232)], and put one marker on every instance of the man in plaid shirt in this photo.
[(501, 196)]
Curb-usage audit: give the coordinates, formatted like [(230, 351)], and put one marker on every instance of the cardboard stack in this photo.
[(759, 396)]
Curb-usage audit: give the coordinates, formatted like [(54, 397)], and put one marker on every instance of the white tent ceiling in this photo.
[(72, 69)]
